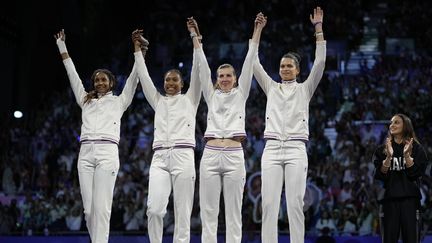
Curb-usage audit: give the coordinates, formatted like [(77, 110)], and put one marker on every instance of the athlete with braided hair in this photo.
[(98, 160)]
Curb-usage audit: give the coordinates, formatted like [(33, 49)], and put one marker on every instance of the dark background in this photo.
[(97, 31)]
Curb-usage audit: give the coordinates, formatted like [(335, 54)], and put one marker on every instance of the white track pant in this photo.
[(98, 165), (283, 160), (171, 169), (221, 169)]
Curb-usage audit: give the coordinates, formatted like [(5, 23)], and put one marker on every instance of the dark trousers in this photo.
[(401, 217)]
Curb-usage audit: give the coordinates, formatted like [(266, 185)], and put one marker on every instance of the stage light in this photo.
[(180, 64), (18, 114)]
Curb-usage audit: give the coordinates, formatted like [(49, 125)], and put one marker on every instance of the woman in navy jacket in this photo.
[(399, 163)]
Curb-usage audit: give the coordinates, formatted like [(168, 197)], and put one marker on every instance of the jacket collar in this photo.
[(289, 81), (167, 95), (100, 95)]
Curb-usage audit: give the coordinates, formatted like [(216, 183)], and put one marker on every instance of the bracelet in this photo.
[(319, 22), (193, 34), (318, 33)]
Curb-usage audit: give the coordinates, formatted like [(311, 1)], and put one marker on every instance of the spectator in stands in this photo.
[(326, 221), (399, 163)]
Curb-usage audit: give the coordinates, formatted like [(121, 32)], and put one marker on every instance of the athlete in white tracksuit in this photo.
[(222, 165), (98, 161), (173, 165), (284, 156)]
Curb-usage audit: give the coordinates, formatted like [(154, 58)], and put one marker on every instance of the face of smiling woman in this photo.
[(288, 69), (226, 78), (396, 126), (173, 83), (102, 83)]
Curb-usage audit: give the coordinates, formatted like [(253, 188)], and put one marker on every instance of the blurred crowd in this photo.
[(39, 190)]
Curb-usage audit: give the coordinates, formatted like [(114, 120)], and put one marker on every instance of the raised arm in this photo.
[(245, 78), (263, 79), (317, 21), (61, 44), (149, 90), (74, 79), (317, 70), (194, 91), (259, 24), (132, 81), (200, 60), (194, 32)]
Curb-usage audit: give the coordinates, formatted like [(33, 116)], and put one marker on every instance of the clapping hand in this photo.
[(408, 148), (389, 148)]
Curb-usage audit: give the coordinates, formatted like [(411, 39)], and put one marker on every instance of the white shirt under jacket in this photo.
[(287, 111), (226, 110), (101, 117), (174, 123)]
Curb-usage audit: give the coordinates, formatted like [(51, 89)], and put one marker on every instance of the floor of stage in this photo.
[(168, 239)]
